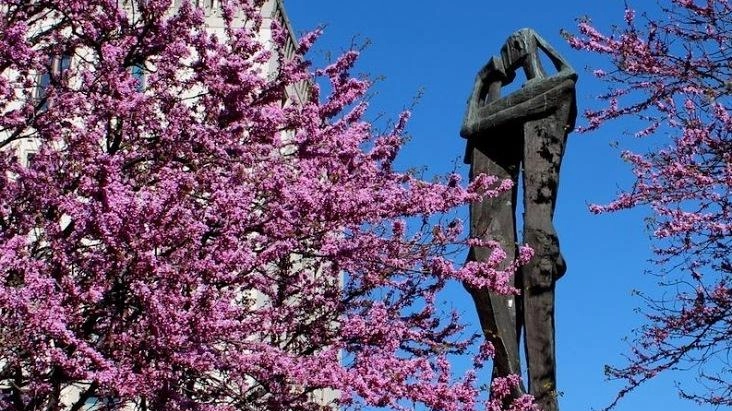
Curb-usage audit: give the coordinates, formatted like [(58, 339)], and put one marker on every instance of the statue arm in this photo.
[(522, 104), (560, 63), (538, 97), (487, 87)]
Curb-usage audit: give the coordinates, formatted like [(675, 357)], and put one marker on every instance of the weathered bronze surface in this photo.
[(523, 133)]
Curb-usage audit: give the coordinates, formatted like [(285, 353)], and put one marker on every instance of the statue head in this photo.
[(522, 50), (518, 47)]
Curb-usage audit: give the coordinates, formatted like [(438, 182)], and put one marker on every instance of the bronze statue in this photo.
[(525, 130)]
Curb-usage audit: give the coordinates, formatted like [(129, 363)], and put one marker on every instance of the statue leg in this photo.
[(544, 141), (495, 219)]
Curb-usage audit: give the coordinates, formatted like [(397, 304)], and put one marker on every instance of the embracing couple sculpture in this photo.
[(523, 131)]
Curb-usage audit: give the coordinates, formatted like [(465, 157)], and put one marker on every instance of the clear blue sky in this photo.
[(438, 46)]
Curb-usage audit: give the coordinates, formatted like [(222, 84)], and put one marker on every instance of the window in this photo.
[(206, 4), (29, 158), (99, 404), (138, 72), (53, 74)]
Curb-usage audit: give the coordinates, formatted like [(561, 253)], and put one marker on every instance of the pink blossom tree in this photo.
[(672, 70), (185, 237)]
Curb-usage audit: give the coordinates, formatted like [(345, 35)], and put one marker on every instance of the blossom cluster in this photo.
[(671, 69)]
